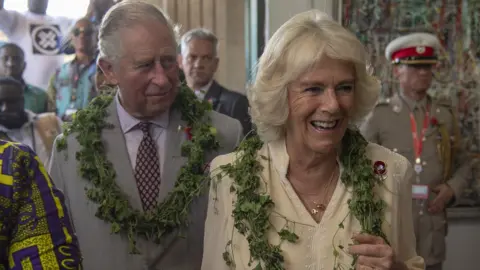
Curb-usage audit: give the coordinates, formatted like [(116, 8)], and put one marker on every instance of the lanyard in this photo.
[(418, 142)]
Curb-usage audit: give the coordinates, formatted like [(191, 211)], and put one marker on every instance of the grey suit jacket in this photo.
[(105, 251)]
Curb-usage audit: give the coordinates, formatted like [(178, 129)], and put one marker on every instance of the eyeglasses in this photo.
[(85, 31)]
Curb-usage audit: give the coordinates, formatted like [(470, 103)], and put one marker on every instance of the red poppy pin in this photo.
[(188, 133), (379, 168), (434, 121)]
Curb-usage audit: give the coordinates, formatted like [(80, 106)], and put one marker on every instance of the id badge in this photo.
[(70, 112), (420, 192)]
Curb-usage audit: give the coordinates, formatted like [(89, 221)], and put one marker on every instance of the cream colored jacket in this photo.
[(315, 247)]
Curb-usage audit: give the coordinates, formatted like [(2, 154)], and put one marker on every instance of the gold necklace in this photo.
[(321, 207)]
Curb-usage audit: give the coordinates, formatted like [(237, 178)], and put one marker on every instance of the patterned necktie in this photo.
[(147, 169)]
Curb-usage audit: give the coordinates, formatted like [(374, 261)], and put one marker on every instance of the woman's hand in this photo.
[(373, 253)]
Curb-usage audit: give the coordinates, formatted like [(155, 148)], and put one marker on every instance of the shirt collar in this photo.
[(412, 104), (128, 122), (280, 158), (204, 89)]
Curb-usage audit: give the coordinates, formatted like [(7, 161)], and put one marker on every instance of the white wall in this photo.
[(279, 11)]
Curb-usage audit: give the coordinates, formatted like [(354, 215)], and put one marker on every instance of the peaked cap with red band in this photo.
[(413, 49)]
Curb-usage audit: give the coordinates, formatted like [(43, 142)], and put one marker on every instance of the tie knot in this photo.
[(144, 127)]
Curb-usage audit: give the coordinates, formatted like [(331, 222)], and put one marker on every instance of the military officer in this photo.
[(424, 130)]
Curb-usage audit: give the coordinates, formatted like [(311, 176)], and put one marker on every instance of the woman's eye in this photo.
[(315, 89), (345, 88), (145, 65)]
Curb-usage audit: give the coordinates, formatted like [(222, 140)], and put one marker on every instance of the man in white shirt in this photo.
[(39, 36), (38, 131)]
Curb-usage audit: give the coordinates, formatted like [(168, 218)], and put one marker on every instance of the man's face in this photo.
[(12, 62), (38, 6), (83, 37), (146, 72), (199, 63), (11, 98), (414, 78), (12, 113)]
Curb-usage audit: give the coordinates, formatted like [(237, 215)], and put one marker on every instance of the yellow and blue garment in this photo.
[(35, 228)]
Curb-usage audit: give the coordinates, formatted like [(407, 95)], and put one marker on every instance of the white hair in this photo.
[(202, 34), (294, 49), (124, 14)]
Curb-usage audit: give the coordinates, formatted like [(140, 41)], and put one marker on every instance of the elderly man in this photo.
[(141, 155), (441, 167), (199, 61)]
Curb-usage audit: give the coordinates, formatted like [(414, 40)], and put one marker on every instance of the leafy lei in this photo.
[(113, 205), (252, 208)]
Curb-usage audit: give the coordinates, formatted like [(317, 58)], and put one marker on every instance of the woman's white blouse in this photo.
[(316, 244)]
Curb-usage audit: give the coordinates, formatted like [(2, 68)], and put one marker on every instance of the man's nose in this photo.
[(4, 107), (160, 75), (198, 63), (9, 62)]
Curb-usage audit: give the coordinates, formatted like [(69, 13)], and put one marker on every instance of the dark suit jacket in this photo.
[(230, 103)]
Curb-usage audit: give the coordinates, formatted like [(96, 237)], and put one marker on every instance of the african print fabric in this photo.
[(35, 228)]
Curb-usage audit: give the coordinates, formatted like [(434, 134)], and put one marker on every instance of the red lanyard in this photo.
[(418, 142)]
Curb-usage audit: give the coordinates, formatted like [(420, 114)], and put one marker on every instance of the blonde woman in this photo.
[(309, 192)]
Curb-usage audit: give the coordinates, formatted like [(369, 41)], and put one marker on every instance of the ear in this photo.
[(215, 64), (24, 66), (396, 71), (107, 69), (180, 60)]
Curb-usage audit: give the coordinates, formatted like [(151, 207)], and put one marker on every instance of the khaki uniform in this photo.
[(442, 160)]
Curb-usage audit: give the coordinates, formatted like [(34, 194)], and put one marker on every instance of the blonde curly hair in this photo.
[(293, 50)]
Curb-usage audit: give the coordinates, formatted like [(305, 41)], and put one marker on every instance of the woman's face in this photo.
[(320, 103)]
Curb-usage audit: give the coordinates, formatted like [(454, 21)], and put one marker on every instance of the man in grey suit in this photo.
[(138, 54)]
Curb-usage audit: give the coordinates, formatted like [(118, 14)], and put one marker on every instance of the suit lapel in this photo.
[(117, 153), (213, 95), (172, 160)]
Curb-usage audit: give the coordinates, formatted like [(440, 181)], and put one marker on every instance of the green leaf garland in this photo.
[(113, 205), (253, 207)]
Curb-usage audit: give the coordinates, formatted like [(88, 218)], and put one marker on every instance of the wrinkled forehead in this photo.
[(147, 38), (11, 50), (310, 53)]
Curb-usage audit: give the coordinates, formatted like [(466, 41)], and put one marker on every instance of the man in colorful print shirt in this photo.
[(35, 228)]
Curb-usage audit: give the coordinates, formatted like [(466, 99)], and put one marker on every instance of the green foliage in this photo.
[(113, 205), (253, 206)]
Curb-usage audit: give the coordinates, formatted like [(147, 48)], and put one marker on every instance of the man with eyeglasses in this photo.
[(73, 85)]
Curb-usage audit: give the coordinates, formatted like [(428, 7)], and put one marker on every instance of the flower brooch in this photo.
[(380, 169), (187, 131)]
